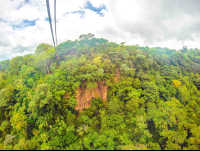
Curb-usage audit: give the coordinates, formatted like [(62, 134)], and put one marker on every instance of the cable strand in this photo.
[(49, 16), (55, 20)]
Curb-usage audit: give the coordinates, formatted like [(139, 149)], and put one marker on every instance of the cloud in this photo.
[(157, 21), (165, 23), (88, 5), (16, 11)]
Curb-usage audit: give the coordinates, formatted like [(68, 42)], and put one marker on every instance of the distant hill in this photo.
[(97, 94)]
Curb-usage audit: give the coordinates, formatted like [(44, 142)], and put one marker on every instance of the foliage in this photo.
[(153, 97)]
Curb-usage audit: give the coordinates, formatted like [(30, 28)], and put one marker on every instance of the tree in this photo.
[(44, 60), (176, 83), (150, 91), (42, 48), (86, 36), (170, 120)]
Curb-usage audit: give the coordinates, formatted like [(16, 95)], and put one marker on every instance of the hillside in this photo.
[(97, 94)]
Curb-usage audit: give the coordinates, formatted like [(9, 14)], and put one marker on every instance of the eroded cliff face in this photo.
[(84, 95)]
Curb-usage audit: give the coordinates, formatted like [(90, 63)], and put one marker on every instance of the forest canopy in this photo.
[(148, 98)]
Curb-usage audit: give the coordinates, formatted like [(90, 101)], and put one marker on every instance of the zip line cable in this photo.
[(49, 16), (55, 20)]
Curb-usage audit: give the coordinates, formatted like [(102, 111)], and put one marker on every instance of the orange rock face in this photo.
[(84, 96)]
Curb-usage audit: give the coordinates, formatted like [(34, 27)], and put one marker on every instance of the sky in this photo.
[(154, 23)]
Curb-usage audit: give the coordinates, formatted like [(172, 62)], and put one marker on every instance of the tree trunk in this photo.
[(44, 71), (47, 67)]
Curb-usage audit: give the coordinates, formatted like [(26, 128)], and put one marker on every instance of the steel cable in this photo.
[(49, 15)]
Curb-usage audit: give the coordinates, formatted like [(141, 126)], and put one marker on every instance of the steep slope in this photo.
[(100, 95)]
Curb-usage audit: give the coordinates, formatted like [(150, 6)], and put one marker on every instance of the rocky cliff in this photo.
[(84, 95)]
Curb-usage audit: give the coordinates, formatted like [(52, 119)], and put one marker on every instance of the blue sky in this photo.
[(88, 5), (25, 23), (158, 23)]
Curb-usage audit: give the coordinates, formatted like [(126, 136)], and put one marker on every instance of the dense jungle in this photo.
[(94, 94)]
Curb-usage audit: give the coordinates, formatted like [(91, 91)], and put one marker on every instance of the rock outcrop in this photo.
[(84, 95)]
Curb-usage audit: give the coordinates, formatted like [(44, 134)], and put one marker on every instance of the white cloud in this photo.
[(147, 23)]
